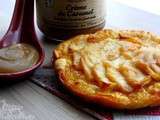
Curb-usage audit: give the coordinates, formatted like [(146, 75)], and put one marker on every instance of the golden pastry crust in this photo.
[(118, 69)]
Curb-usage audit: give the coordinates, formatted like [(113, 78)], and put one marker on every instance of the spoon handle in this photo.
[(28, 16), (13, 34), (28, 28), (22, 23), (23, 13), (23, 16), (17, 18)]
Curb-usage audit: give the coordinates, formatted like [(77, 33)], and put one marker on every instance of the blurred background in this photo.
[(152, 6), (132, 18)]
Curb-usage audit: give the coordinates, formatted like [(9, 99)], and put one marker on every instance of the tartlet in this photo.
[(112, 68)]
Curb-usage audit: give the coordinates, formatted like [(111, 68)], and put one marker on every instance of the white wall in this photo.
[(152, 6)]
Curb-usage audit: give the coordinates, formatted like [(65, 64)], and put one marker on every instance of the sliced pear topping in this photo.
[(100, 74), (86, 66), (155, 68), (133, 75), (147, 70), (60, 64), (117, 77)]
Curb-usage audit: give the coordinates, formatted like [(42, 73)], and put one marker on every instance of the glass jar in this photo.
[(62, 19)]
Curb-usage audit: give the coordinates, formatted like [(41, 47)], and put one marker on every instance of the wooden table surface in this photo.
[(42, 105)]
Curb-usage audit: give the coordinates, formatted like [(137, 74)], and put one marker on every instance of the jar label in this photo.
[(71, 14)]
